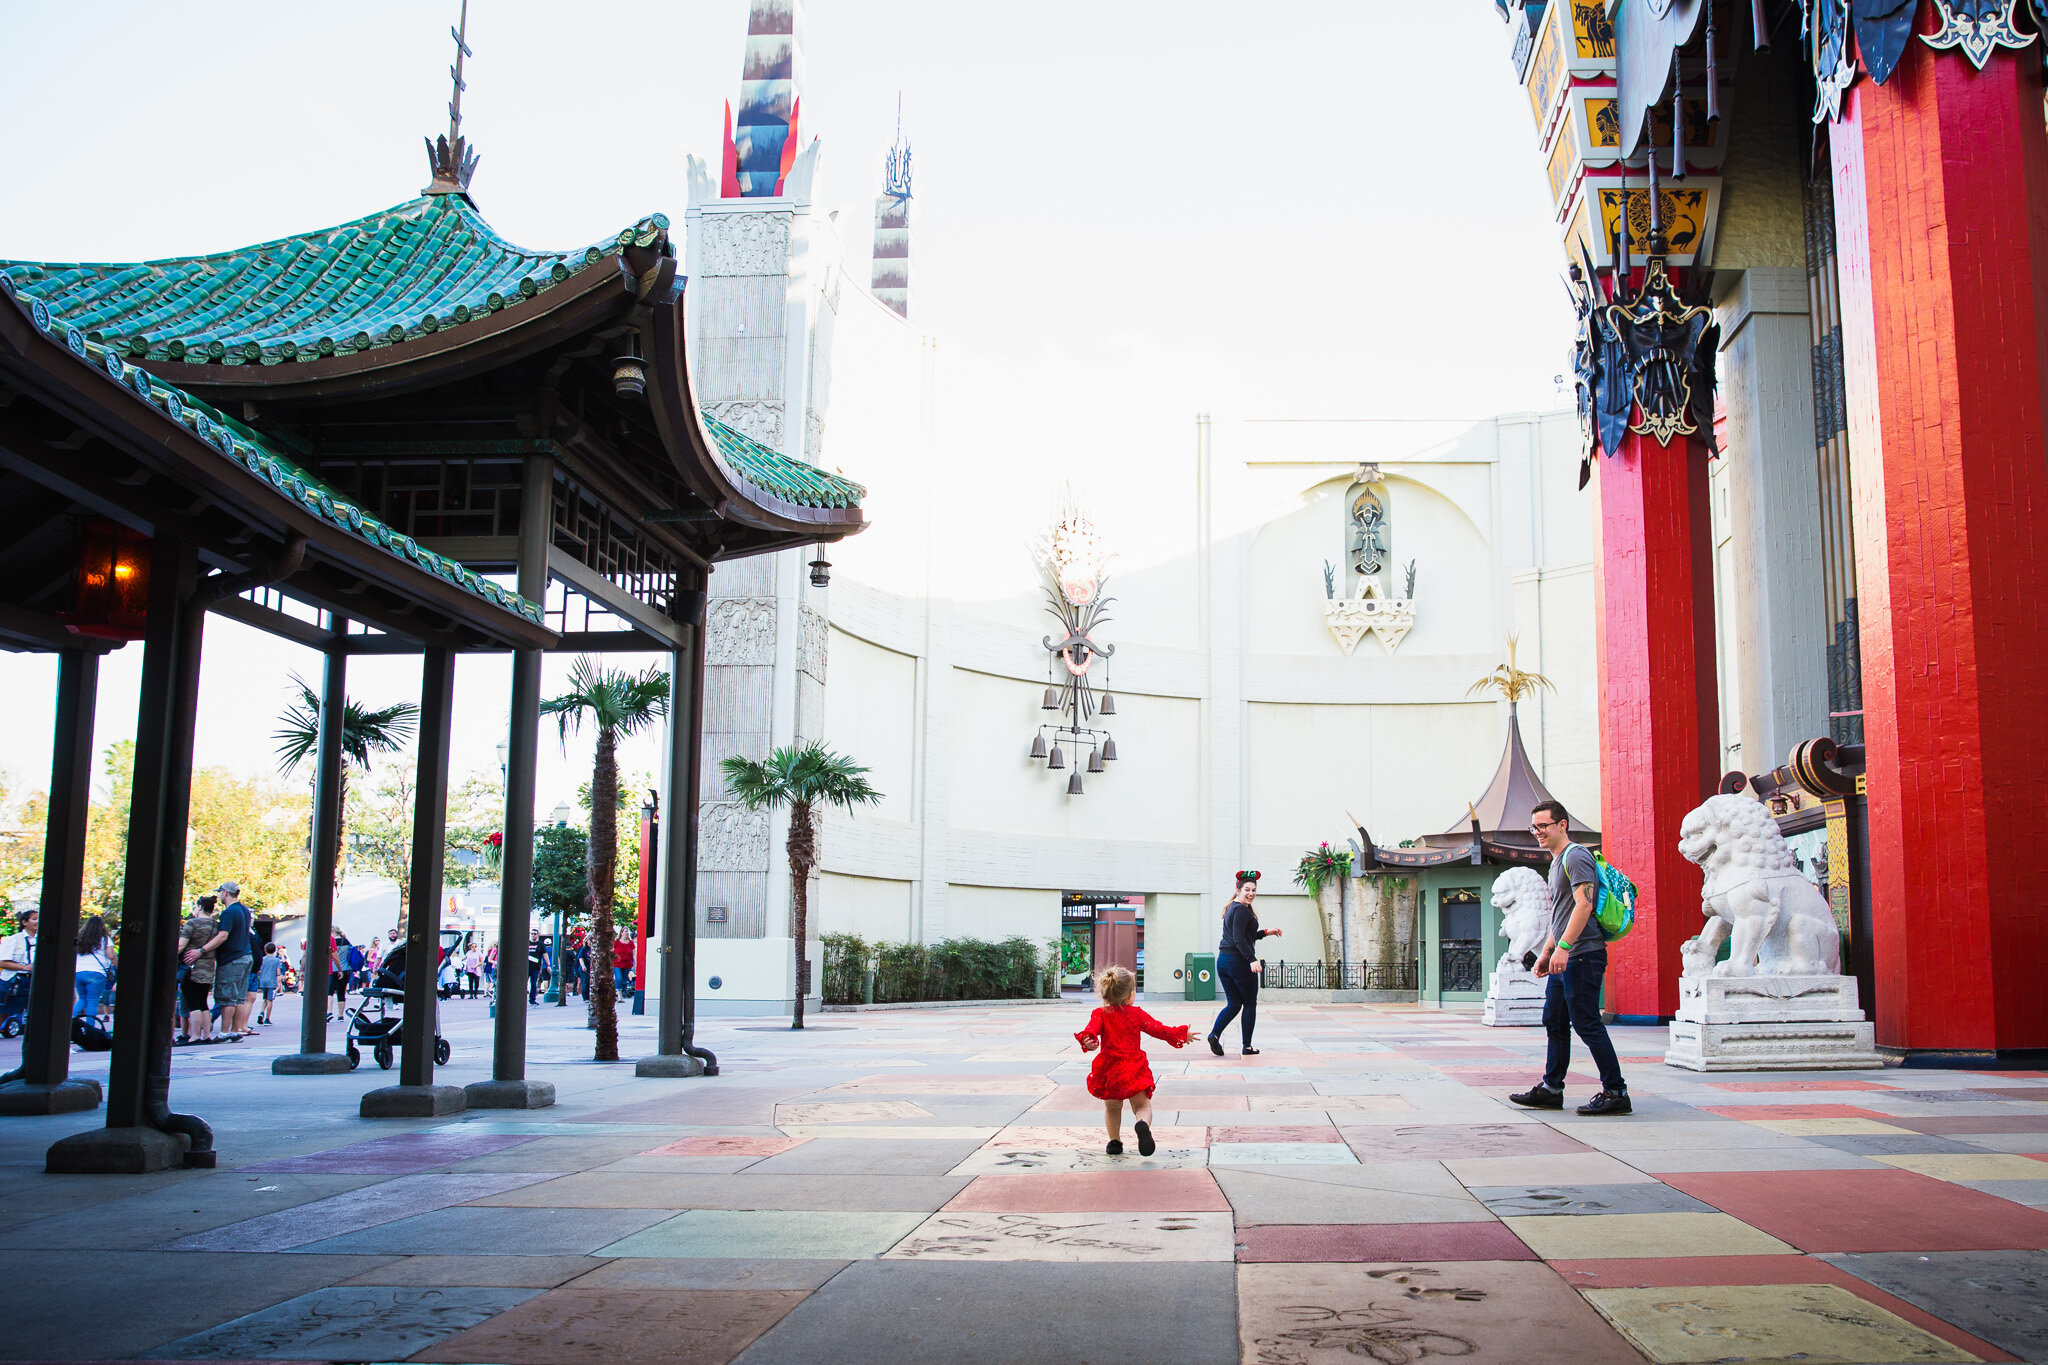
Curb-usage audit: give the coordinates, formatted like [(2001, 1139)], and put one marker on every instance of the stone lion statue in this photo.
[(1754, 890), (1523, 899)]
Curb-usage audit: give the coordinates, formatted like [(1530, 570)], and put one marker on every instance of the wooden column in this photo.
[(141, 1133), (313, 1058), (416, 1095), (1659, 732), (1941, 193), (676, 1052), (42, 1084), (508, 1087)]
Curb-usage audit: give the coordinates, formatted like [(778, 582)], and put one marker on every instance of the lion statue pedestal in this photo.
[(1779, 1002), (1515, 995)]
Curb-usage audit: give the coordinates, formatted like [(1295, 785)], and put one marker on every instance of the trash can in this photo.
[(1198, 977)]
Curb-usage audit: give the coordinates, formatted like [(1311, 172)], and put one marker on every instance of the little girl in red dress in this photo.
[(1121, 1072)]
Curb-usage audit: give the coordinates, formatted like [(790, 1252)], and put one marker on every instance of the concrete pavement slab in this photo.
[(2001, 1296), (1576, 1168), (1500, 1311), (748, 1190), (1404, 1192), (482, 1272), (2032, 1193), (755, 1145), (1091, 1136), (1643, 1235), (368, 1207), (399, 1154), (1382, 1242), (361, 1322), (1962, 1166), (812, 1235), (1013, 1160), (849, 1111), (933, 1313), (690, 1272), (622, 1327), (1882, 1210), (1132, 1191), (932, 1132), (1804, 1156), (1280, 1154), (841, 1155), (1119, 1237), (497, 1232), (1816, 1324), (1441, 1142), (1536, 1201)]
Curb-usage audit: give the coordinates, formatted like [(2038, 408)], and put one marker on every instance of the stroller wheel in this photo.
[(11, 1028), (441, 1052), (383, 1054), (355, 1058)]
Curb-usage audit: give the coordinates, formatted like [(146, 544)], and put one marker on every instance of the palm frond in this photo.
[(799, 774), (364, 733), (612, 698)]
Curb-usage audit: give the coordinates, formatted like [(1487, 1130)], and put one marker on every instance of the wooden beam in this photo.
[(21, 629), (274, 622), (613, 598)]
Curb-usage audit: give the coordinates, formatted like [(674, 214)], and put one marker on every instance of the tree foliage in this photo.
[(248, 830), (366, 732)]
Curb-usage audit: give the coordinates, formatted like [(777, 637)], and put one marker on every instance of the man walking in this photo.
[(534, 953), (234, 949), (1574, 959)]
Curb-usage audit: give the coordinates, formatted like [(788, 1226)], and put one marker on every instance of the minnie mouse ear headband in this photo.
[(1244, 876)]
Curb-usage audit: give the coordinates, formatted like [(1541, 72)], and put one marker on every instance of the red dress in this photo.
[(1121, 1070)]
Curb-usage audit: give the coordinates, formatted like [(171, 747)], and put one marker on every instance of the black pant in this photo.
[(1571, 1001), (1241, 989)]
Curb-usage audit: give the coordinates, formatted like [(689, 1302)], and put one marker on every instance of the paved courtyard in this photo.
[(930, 1185)]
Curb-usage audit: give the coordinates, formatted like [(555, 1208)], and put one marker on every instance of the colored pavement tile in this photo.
[(1016, 1160), (356, 1323), (1047, 1135), (1842, 1127), (841, 1154), (1440, 1142), (1277, 1133), (1757, 1112), (1119, 1237), (1008, 1313), (1085, 1192), (759, 1145), (500, 1232), (745, 1190), (2001, 1296), (1643, 1234), (828, 1235), (369, 1207), (1791, 1087), (1499, 1311), (1280, 1154), (1578, 1168), (1881, 1210), (399, 1154), (1378, 1242), (1964, 1166), (1404, 1192), (1815, 1324), (2032, 1193), (1940, 1124), (1545, 1200), (621, 1326)]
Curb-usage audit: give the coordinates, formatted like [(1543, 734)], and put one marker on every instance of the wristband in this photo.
[(1565, 946)]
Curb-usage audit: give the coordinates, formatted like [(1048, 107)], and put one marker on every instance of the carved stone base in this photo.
[(1784, 1046), (675, 1067), (1768, 999), (116, 1151), (64, 1097), (412, 1102), (311, 1064), (508, 1094), (1515, 999)]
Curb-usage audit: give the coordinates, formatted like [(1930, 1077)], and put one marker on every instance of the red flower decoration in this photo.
[(498, 840)]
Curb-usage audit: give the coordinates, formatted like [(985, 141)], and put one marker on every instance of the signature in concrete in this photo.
[(979, 1238)]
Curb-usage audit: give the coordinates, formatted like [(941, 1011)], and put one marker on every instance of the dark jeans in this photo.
[(1572, 1001), (1241, 989)]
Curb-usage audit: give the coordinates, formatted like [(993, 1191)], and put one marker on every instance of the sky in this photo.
[(1126, 214)]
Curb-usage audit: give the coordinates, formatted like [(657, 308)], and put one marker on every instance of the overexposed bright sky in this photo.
[(1125, 213)]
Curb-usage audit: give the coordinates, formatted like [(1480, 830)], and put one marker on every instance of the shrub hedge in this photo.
[(955, 969)]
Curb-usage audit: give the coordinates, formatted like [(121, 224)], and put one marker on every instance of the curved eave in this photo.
[(53, 374), (703, 469), (590, 297)]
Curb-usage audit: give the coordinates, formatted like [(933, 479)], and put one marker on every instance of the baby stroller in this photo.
[(14, 1006), (379, 1016)]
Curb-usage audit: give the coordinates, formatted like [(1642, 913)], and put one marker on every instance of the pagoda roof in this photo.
[(253, 453), (408, 272)]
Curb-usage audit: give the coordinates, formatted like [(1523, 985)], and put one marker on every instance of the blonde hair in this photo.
[(1116, 985)]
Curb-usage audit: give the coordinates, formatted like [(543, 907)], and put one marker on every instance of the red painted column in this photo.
[(1941, 192), (1659, 704)]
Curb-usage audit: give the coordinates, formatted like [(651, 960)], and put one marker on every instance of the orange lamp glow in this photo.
[(111, 601)]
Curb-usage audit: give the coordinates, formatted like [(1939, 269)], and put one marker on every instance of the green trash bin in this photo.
[(1198, 976)]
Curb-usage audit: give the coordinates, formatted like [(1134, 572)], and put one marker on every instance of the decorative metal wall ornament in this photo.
[(1652, 353), (1883, 28), (1978, 27), (1075, 563)]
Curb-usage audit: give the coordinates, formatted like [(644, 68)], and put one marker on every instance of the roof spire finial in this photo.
[(449, 158)]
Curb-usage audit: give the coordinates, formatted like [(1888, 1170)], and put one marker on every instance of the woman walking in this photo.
[(95, 968), (1237, 962)]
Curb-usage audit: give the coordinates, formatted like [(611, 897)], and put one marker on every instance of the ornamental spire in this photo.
[(890, 278), (449, 159)]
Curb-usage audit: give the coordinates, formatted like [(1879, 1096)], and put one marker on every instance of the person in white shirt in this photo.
[(95, 969), (18, 950)]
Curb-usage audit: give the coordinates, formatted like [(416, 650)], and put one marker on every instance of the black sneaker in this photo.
[(1539, 1096), (1607, 1102), (1215, 1045), (1146, 1146), (1251, 1052), (1115, 1148)]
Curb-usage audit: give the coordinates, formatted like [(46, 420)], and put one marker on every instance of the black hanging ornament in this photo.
[(1883, 28)]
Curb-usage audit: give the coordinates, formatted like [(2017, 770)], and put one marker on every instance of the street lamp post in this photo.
[(504, 775), (556, 995)]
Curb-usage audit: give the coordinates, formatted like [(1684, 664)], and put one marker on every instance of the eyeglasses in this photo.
[(1535, 828)]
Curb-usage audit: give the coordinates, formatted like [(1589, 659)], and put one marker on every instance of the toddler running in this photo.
[(1121, 1072)]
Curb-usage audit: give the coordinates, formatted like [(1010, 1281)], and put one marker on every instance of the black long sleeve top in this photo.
[(1241, 931)]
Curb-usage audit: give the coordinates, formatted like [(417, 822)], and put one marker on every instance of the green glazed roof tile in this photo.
[(771, 470), (263, 459), (412, 270)]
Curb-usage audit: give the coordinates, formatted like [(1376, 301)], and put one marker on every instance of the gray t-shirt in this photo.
[(1575, 868)]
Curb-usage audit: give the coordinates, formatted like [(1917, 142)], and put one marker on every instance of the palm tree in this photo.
[(363, 733), (1511, 682), (618, 704), (800, 776)]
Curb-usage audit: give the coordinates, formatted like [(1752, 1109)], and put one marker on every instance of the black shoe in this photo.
[(1215, 1045), (1607, 1102), (1539, 1096), (1146, 1146), (1251, 1052), (1115, 1148)]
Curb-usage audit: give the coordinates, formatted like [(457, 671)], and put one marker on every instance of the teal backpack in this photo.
[(1616, 907)]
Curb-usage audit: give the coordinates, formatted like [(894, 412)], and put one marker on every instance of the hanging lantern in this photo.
[(1109, 748), (1074, 783), (1052, 699), (1038, 747), (821, 570), (1059, 759), (1108, 704), (111, 598), (1095, 760), (629, 372)]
